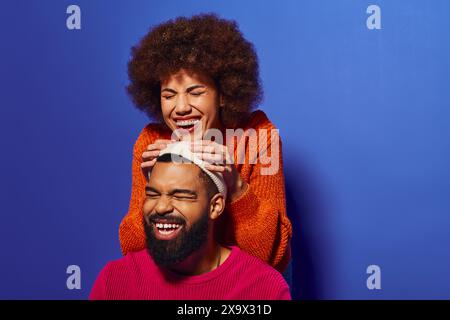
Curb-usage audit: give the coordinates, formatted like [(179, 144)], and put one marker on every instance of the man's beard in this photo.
[(167, 253)]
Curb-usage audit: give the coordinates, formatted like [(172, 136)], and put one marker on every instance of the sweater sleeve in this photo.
[(262, 227), (131, 230)]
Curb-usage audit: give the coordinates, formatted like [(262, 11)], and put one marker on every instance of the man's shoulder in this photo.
[(128, 263), (251, 265), (265, 282), (118, 278)]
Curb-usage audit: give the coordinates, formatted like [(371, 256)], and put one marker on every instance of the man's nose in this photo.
[(164, 206), (182, 106)]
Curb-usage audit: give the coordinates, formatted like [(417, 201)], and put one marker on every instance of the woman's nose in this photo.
[(182, 106)]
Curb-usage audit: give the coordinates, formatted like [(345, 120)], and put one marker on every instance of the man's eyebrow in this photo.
[(186, 191), (151, 189)]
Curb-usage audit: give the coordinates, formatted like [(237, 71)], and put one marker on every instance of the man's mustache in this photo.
[(167, 218)]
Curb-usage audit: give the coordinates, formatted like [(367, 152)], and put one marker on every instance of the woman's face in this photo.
[(190, 101)]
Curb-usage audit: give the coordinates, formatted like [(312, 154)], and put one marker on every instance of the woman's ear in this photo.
[(217, 206)]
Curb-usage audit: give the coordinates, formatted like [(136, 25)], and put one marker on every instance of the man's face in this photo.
[(176, 212)]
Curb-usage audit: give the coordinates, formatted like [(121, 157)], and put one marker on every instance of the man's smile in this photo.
[(166, 228), (166, 231)]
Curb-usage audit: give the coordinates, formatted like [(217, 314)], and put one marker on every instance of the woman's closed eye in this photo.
[(168, 97), (197, 93)]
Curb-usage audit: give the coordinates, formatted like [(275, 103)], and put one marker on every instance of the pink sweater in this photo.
[(240, 277)]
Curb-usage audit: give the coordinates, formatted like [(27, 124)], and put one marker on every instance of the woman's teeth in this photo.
[(187, 123)]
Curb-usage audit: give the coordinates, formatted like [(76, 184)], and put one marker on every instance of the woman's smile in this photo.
[(187, 123)]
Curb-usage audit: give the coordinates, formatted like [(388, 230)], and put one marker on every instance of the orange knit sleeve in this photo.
[(261, 225), (131, 230)]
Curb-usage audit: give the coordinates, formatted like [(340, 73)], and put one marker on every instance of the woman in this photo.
[(193, 75)]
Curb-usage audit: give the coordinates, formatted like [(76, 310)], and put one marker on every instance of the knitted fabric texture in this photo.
[(181, 148), (240, 277)]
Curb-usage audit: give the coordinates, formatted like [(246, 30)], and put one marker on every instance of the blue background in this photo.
[(363, 114)]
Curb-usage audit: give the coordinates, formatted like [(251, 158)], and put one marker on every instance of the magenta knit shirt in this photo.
[(240, 277)]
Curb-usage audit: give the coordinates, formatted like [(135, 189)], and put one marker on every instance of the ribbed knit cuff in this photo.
[(247, 204)]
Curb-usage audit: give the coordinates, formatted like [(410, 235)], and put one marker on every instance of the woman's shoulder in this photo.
[(155, 129), (258, 120), (151, 132)]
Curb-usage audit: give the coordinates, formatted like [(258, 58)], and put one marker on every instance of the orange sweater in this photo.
[(256, 221)]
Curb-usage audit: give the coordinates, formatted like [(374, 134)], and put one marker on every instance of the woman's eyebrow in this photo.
[(169, 90), (195, 87)]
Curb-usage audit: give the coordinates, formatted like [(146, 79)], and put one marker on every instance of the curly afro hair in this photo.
[(204, 43)]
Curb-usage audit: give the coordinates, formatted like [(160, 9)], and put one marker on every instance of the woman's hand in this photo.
[(218, 159), (149, 156)]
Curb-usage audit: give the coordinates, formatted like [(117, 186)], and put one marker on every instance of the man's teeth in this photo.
[(167, 226), (185, 123)]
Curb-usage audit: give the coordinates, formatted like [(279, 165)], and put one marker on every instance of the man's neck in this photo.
[(204, 260)]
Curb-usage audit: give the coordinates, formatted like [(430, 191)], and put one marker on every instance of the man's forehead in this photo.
[(175, 174)]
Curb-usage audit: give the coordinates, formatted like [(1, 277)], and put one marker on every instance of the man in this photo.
[(182, 260)]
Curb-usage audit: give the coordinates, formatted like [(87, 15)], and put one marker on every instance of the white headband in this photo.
[(182, 148)]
